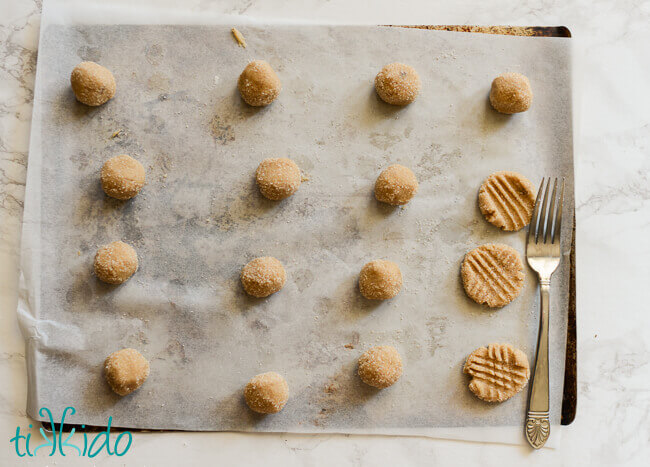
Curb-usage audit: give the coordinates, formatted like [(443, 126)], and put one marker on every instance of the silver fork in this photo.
[(543, 255)]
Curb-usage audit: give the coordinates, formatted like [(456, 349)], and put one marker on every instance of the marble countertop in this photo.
[(612, 155)]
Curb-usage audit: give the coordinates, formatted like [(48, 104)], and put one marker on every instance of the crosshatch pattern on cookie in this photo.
[(507, 199), (498, 371), (493, 274)]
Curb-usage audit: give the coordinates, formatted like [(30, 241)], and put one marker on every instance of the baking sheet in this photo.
[(200, 218)]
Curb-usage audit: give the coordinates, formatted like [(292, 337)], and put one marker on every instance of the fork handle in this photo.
[(538, 427)]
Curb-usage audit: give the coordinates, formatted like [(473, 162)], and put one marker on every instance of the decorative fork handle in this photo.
[(538, 427)]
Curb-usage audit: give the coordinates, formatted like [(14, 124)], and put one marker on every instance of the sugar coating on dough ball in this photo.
[(380, 280), (397, 84), (126, 370), (380, 366), (263, 276), (258, 84), (278, 178), (511, 93), (396, 185), (92, 84), (266, 393), (122, 177), (115, 262)]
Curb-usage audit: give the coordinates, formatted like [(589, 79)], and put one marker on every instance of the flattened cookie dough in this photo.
[(380, 366), (506, 200), (380, 280), (511, 93), (396, 185), (122, 177), (115, 263), (125, 371), (493, 274), (278, 178), (263, 276), (498, 371), (266, 393), (258, 84), (397, 84), (92, 84)]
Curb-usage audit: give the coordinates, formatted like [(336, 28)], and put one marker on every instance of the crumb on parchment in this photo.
[(238, 37)]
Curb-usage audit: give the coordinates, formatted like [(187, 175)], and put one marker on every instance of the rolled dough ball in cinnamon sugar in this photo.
[(278, 178), (397, 84), (266, 393), (511, 93), (258, 84), (92, 84), (125, 371), (396, 185), (263, 276), (122, 177), (380, 280), (380, 366), (116, 262)]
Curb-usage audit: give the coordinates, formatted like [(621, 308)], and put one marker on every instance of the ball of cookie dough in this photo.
[(258, 84), (493, 274), (397, 84), (263, 276), (92, 84), (278, 178), (511, 93), (396, 185), (126, 370), (380, 280), (122, 177), (380, 366), (266, 393), (115, 262)]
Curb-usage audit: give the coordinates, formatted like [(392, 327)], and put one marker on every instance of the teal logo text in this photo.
[(91, 446)]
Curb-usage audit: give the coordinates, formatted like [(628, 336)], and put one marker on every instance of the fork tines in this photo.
[(547, 225)]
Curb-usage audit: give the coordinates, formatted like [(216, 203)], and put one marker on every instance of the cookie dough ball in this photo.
[(266, 393), (92, 84), (126, 370), (380, 366), (498, 371), (396, 185), (263, 276), (493, 274), (278, 178), (506, 200), (258, 84), (380, 280), (511, 93), (122, 177), (115, 262), (397, 84)]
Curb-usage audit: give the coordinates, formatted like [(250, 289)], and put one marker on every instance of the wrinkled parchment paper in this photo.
[(200, 218)]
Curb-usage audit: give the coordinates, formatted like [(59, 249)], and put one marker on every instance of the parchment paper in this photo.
[(200, 218)]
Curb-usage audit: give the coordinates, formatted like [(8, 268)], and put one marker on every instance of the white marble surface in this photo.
[(612, 132)]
